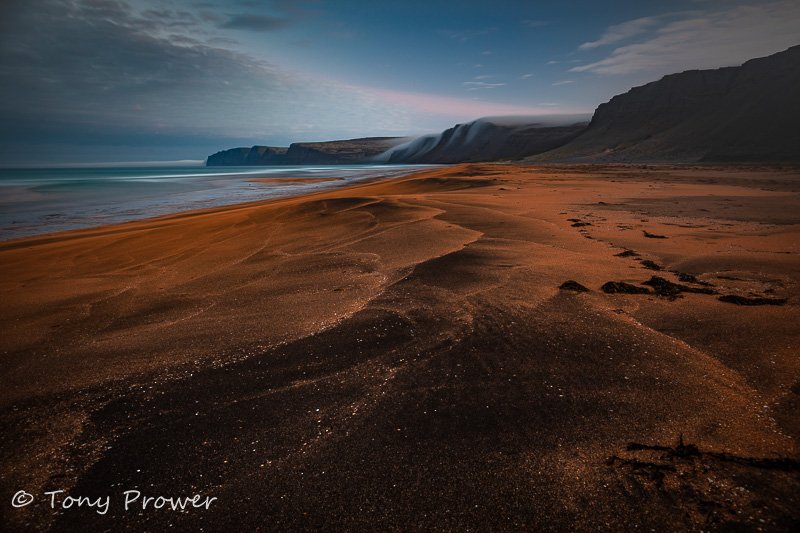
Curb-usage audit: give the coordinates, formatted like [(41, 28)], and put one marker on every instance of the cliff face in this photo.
[(340, 152), (746, 113), (257, 155), (352, 151), (483, 140)]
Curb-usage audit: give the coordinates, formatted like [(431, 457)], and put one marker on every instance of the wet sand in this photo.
[(399, 355), (293, 180)]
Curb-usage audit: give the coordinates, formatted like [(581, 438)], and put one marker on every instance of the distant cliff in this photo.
[(487, 139), (351, 151), (745, 113), (257, 155)]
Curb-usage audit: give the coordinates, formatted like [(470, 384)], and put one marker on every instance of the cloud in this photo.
[(99, 77), (103, 75), (562, 82), (526, 76), (253, 22), (478, 85), (97, 64), (553, 62), (170, 18), (620, 32), (90, 73), (707, 39)]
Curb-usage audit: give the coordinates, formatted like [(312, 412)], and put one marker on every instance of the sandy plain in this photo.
[(400, 355)]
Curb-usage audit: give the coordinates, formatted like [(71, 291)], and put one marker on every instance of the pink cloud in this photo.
[(460, 108)]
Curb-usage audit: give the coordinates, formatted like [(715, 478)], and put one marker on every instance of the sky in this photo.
[(148, 80)]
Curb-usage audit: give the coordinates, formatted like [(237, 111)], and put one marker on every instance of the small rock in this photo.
[(627, 253), (663, 287), (690, 278), (742, 300), (572, 285), (611, 287)]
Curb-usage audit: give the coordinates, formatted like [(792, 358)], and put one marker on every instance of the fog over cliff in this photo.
[(488, 139)]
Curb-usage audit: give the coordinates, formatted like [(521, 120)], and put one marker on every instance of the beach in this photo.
[(405, 354), (34, 201)]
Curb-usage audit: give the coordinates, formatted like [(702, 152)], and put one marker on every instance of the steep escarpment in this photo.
[(340, 152), (487, 139), (745, 113), (349, 151), (256, 155)]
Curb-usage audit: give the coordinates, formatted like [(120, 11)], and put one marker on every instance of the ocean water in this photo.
[(42, 200)]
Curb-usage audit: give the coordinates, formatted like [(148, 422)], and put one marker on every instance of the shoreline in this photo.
[(100, 229), (259, 185), (142, 229), (412, 333)]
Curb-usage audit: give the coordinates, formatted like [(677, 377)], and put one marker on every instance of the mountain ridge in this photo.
[(745, 113)]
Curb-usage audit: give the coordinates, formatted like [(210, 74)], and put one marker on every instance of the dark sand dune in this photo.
[(399, 355)]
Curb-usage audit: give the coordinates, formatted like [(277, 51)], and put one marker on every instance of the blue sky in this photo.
[(126, 80)]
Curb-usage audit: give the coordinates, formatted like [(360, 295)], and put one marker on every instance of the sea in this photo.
[(34, 201)]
